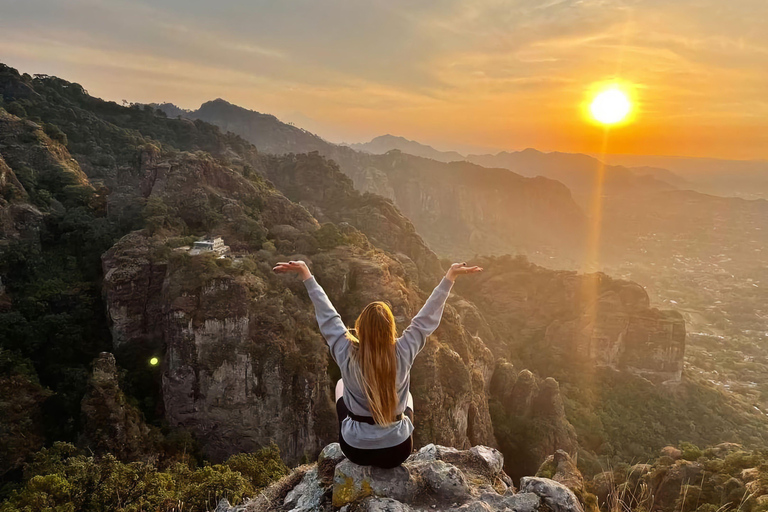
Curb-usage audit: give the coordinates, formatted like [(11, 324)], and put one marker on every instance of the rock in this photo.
[(225, 506), (21, 417), (565, 471), (750, 474), (671, 452), (617, 328), (442, 479), (306, 496), (556, 496), (383, 505), (668, 483), (329, 457), (434, 478), (353, 483)]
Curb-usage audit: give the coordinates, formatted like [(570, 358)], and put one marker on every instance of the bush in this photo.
[(55, 133), (690, 451), (261, 468), (329, 236), (16, 109)]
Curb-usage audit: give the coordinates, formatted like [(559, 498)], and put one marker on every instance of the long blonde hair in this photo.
[(374, 360)]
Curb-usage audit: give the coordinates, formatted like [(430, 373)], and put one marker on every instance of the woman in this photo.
[(373, 401)]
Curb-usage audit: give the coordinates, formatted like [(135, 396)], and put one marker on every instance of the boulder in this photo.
[(556, 496), (671, 452)]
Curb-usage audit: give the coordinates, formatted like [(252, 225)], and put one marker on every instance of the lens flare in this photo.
[(154, 361), (610, 106)]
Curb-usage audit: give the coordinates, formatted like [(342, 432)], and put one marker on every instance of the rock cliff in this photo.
[(558, 319)]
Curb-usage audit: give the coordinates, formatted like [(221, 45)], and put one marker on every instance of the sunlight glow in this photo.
[(610, 106)]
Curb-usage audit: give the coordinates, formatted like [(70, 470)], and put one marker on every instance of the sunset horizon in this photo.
[(502, 76)]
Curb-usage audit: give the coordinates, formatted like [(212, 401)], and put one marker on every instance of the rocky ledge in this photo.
[(434, 478)]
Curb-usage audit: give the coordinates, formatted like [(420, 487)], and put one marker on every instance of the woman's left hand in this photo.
[(298, 267), (458, 269)]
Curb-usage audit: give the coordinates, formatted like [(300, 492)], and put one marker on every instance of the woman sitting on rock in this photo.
[(373, 401)]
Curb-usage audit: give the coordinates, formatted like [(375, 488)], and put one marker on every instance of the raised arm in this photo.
[(331, 326), (428, 318)]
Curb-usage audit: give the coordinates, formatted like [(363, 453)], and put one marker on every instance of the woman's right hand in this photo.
[(298, 267), (458, 269)]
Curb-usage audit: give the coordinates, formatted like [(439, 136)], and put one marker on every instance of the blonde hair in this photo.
[(374, 360)]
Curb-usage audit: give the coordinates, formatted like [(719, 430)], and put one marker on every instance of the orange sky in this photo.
[(455, 74)]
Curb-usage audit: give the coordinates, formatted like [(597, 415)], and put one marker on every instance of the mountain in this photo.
[(577, 171), (459, 208), (747, 179), (385, 143)]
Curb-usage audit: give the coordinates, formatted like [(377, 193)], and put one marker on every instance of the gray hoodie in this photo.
[(363, 435)]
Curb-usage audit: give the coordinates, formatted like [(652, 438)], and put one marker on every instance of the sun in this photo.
[(610, 106)]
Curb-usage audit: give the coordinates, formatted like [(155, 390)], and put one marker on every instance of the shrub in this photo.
[(690, 451), (261, 468), (16, 109), (55, 133)]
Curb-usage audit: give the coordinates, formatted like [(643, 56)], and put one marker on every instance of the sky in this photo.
[(469, 75)]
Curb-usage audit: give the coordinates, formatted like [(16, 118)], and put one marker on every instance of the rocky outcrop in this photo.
[(561, 468), (110, 423), (21, 413), (436, 477), (530, 417), (558, 319)]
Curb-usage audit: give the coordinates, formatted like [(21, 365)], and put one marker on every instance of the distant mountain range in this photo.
[(385, 143), (740, 178), (577, 171)]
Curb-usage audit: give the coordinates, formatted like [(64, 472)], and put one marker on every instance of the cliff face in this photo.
[(463, 209), (559, 319)]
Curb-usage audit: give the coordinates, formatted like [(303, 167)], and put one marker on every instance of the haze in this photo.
[(457, 75)]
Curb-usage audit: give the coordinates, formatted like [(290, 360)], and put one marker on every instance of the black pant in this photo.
[(379, 457)]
